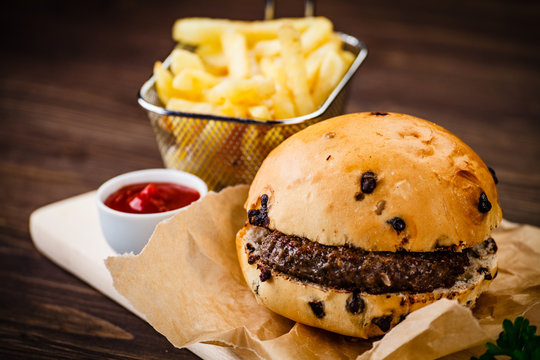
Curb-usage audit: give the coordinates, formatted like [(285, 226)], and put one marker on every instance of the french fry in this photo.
[(213, 59), (260, 112), (333, 43), (283, 105), (315, 58), (348, 58), (183, 59), (242, 91), (330, 73), (313, 64), (256, 31), (192, 82), (267, 48), (233, 110), (196, 31), (235, 49), (254, 68), (164, 83), (273, 69), (182, 105), (318, 32), (294, 62)]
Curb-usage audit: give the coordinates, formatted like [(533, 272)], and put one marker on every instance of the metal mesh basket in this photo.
[(226, 151)]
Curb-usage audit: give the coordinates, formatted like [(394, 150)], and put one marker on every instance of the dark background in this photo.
[(69, 120)]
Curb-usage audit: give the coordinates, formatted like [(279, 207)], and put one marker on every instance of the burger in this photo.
[(357, 221)]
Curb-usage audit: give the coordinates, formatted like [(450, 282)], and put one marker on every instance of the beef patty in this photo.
[(375, 272)]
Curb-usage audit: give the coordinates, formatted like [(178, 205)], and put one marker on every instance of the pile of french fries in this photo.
[(264, 70)]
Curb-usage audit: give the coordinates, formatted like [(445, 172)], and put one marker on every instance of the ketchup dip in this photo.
[(150, 198)]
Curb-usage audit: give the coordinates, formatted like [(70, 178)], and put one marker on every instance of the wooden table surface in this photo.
[(69, 120)]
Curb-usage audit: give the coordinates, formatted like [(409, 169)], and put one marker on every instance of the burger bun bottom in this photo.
[(291, 298)]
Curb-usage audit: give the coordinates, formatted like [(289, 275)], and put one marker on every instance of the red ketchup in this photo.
[(149, 198)]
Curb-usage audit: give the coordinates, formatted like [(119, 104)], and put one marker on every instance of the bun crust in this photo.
[(424, 176), (291, 298)]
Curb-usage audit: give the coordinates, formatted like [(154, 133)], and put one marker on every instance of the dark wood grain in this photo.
[(69, 120)]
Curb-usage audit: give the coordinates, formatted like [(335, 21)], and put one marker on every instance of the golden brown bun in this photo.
[(425, 175), (290, 298)]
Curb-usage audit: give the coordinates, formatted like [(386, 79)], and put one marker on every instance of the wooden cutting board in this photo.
[(68, 233)]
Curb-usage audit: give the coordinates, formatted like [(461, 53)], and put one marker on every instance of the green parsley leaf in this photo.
[(517, 341)]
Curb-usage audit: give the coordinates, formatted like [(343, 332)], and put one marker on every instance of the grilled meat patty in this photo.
[(354, 269)]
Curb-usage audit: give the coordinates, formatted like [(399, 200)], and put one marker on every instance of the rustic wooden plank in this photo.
[(69, 74)]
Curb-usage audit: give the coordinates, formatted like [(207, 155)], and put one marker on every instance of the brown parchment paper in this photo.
[(190, 288)]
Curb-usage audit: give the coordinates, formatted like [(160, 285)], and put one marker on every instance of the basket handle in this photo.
[(269, 7)]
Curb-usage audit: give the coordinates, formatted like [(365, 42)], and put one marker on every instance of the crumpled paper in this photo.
[(189, 286)]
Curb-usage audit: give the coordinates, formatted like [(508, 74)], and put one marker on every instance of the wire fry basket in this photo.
[(225, 151)]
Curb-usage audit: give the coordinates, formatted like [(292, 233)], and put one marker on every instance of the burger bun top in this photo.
[(427, 189)]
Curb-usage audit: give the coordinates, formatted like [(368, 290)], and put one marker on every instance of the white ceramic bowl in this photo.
[(127, 232)]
